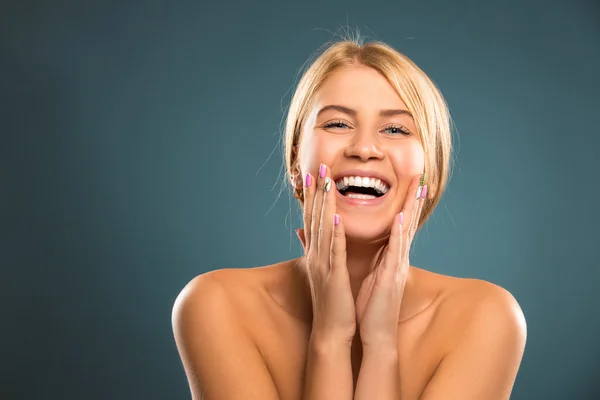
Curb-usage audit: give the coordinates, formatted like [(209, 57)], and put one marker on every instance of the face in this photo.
[(349, 130)]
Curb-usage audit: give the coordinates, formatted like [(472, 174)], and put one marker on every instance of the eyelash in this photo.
[(402, 129)]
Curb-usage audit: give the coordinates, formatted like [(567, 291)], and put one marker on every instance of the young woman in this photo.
[(367, 150)]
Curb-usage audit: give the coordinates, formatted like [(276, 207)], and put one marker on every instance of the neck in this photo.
[(361, 258)]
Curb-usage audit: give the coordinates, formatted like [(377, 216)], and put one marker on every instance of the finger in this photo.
[(418, 211), (365, 293), (338, 246), (421, 193), (316, 209), (393, 256), (327, 218), (396, 240), (395, 243), (410, 201), (410, 206), (309, 194), (414, 223)]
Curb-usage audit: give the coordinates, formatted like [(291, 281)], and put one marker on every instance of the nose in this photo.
[(364, 146)]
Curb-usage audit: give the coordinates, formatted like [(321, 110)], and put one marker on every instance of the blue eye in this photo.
[(334, 124), (393, 130), (399, 129)]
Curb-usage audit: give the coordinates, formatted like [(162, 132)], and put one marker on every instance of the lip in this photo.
[(364, 173), (361, 202), (367, 174)]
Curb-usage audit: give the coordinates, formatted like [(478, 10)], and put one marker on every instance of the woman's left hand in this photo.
[(380, 295)]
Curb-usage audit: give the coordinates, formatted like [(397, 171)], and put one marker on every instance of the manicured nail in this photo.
[(419, 192), (422, 179), (424, 192), (327, 185), (307, 180), (322, 170), (336, 219), (400, 217)]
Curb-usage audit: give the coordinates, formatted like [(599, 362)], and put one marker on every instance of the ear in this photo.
[(296, 179)]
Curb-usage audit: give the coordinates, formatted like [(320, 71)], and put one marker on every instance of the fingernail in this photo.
[(307, 180), (400, 217), (322, 170), (424, 192), (419, 191), (327, 185), (336, 219), (422, 179)]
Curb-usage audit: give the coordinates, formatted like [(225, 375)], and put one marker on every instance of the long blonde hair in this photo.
[(421, 96)]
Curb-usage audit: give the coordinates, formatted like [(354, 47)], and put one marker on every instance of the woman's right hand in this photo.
[(324, 243)]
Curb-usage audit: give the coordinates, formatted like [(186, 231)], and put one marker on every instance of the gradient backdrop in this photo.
[(140, 149)]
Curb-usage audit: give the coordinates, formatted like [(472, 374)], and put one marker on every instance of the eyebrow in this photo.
[(349, 111)]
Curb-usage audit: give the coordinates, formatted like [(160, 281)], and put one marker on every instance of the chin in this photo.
[(363, 229)]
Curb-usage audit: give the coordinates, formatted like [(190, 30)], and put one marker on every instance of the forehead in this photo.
[(358, 87)]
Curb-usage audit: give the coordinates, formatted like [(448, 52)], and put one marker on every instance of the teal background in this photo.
[(139, 148)]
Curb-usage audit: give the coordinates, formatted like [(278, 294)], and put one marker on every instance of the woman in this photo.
[(367, 150)]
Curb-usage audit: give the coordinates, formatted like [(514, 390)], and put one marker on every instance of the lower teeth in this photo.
[(360, 196)]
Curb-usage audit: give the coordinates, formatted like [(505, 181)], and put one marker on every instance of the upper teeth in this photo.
[(377, 184)]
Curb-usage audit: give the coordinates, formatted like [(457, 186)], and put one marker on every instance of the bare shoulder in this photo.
[(480, 332), (207, 324), (208, 291), (241, 288), (469, 305), (225, 294), (467, 296)]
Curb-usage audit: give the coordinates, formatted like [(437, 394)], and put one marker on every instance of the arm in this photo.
[(485, 362), (379, 374), (328, 372), (220, 359)]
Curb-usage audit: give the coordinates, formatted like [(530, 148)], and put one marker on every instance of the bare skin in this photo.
[(249, 333), (273, 305)]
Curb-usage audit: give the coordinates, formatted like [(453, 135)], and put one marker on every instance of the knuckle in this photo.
[(337, 233), (336, 251), (333, 253), (338, 248)]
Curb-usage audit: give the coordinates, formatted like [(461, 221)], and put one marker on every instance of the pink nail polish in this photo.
[(322, 170), (307, 180), (336, 219), (424, 192), (400, 217)]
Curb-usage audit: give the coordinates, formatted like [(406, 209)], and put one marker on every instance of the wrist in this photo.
[(326, 344), (379, 341), (382, 350)]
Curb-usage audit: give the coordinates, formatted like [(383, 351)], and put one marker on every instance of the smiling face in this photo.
[(359, 127)]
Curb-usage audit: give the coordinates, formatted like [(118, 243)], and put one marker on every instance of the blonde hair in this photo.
[(421, 96)]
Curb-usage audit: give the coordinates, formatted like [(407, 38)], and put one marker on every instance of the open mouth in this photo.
[(361, 187)]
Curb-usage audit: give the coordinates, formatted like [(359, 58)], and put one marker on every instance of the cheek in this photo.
[(315, 149), (408, 159)]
